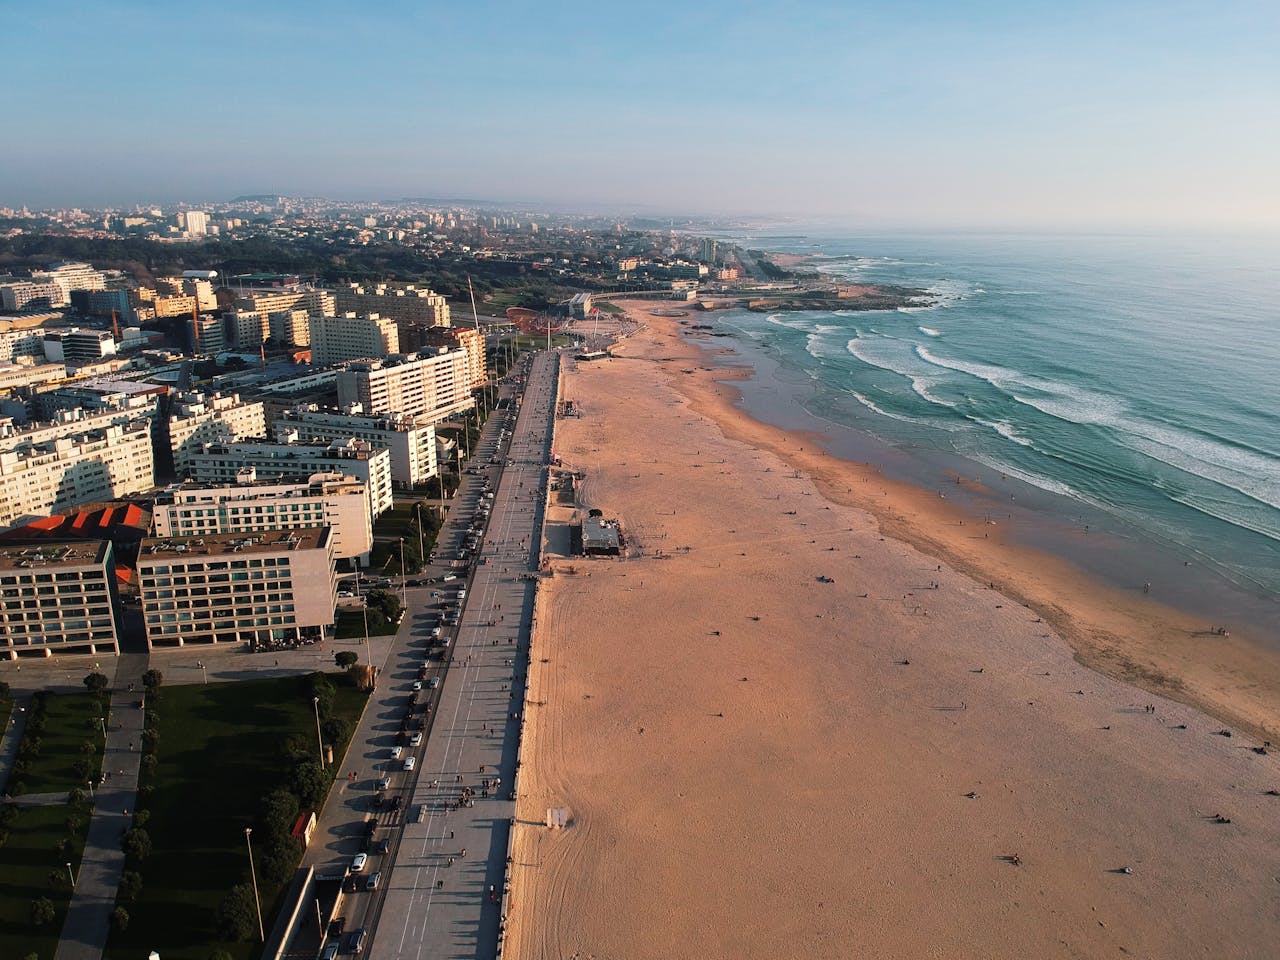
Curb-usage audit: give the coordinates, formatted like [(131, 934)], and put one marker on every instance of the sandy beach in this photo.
[(810, 711)]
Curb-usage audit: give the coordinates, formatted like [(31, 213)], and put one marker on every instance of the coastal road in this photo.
[(440, 902)]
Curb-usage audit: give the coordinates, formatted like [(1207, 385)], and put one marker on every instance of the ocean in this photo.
[(1121, 386)]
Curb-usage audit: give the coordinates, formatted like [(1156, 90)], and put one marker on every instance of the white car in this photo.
[(358, 863), (416, 739), (417, 684), (410, 763), (395, 752)]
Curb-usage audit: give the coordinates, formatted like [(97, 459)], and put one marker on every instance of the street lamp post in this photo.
[(90, 785), (315, 702), (204, 672), (404, 585), (72, 876), (262, 937)]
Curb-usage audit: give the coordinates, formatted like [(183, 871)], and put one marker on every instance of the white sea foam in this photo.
[(992, 374), (1005, 430), (875, 408), (1044, 483), (929, 331)]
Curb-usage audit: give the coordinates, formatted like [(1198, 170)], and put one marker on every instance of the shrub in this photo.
[(130, 885), (236, 915), (42, 912), (120, 919), (151, 680), (136, 844)]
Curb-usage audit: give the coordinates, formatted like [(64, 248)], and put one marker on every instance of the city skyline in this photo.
[(1139, 114)]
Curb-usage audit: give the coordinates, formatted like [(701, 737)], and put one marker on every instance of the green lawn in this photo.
[(222, 748), (70, 720), (27, 859), (349, 625)]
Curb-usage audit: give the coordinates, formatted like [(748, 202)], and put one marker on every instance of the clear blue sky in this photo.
[(915, 112)]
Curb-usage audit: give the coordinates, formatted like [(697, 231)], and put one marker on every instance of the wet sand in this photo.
[(758, 763)]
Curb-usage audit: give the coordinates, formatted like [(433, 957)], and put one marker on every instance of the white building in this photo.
[(335, 339), (429, 386), (68, 276), (323, 500), (76, 346), (42, 474), (397, 301), (226, 463), (196, 419), (56, 598), (232, 588), (412, 446), (197, 223)]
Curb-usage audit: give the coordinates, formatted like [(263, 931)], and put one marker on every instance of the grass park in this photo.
[(38, 842), (222, 752)]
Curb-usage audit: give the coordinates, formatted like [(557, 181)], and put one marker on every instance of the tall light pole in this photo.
[(315, 702), (204, 672), (262, 937), (404, 579), (72, 876), (90, 784)]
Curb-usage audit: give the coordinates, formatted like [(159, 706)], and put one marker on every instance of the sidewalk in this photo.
[(84, 933), (12, 737)]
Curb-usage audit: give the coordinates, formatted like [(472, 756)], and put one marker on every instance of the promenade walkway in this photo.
[(84, 932), (12, 737)]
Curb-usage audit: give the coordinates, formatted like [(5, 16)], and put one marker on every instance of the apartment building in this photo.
[(412, 446), (44, 472), (397, 301), (57, 598), (335, 339), (196, 419), (468, 340), (68, 276), (208, 334), (20, 341), (14, 376), (21, 294), (428, 385), (226, 463), (263, 590), (322, 500)]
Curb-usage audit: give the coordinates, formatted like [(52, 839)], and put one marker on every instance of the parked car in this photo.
[(416, 739), (357, 864), (410, 763), (384, 783), (435, 682)]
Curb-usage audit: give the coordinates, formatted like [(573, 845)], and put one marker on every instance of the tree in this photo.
[(42, 912), (236, 916), (120, 919), (310, 783), (278, 812), (130, 885), (335, 730), (151, 680), (136, 844), (345, 658), (97, 682)]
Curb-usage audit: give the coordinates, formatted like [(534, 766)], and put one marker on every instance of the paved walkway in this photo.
[(84, 933), (12, 737)]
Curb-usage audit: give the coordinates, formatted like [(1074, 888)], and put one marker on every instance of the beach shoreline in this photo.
[(1140, 640), (775, 705)]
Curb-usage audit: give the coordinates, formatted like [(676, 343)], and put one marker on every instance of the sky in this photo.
[(910, 113)]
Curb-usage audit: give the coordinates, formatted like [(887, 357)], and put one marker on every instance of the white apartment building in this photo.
[(196, 419), (335, 339), (323, 500), (226, 463), (15, 375), (246, 329), (20, 294), (429, 386), (68, 276), (197, 223), (21, 342), (40, 474), (412, 446), (56, 598), (234, 588), (470, 341), (395, 301)]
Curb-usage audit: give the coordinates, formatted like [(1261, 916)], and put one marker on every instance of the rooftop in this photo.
[(63, 554), (275, 541)]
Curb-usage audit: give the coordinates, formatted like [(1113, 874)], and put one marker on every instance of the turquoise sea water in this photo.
[(1135, 377)]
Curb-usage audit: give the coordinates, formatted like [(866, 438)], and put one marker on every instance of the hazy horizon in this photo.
[(1139, 115)]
